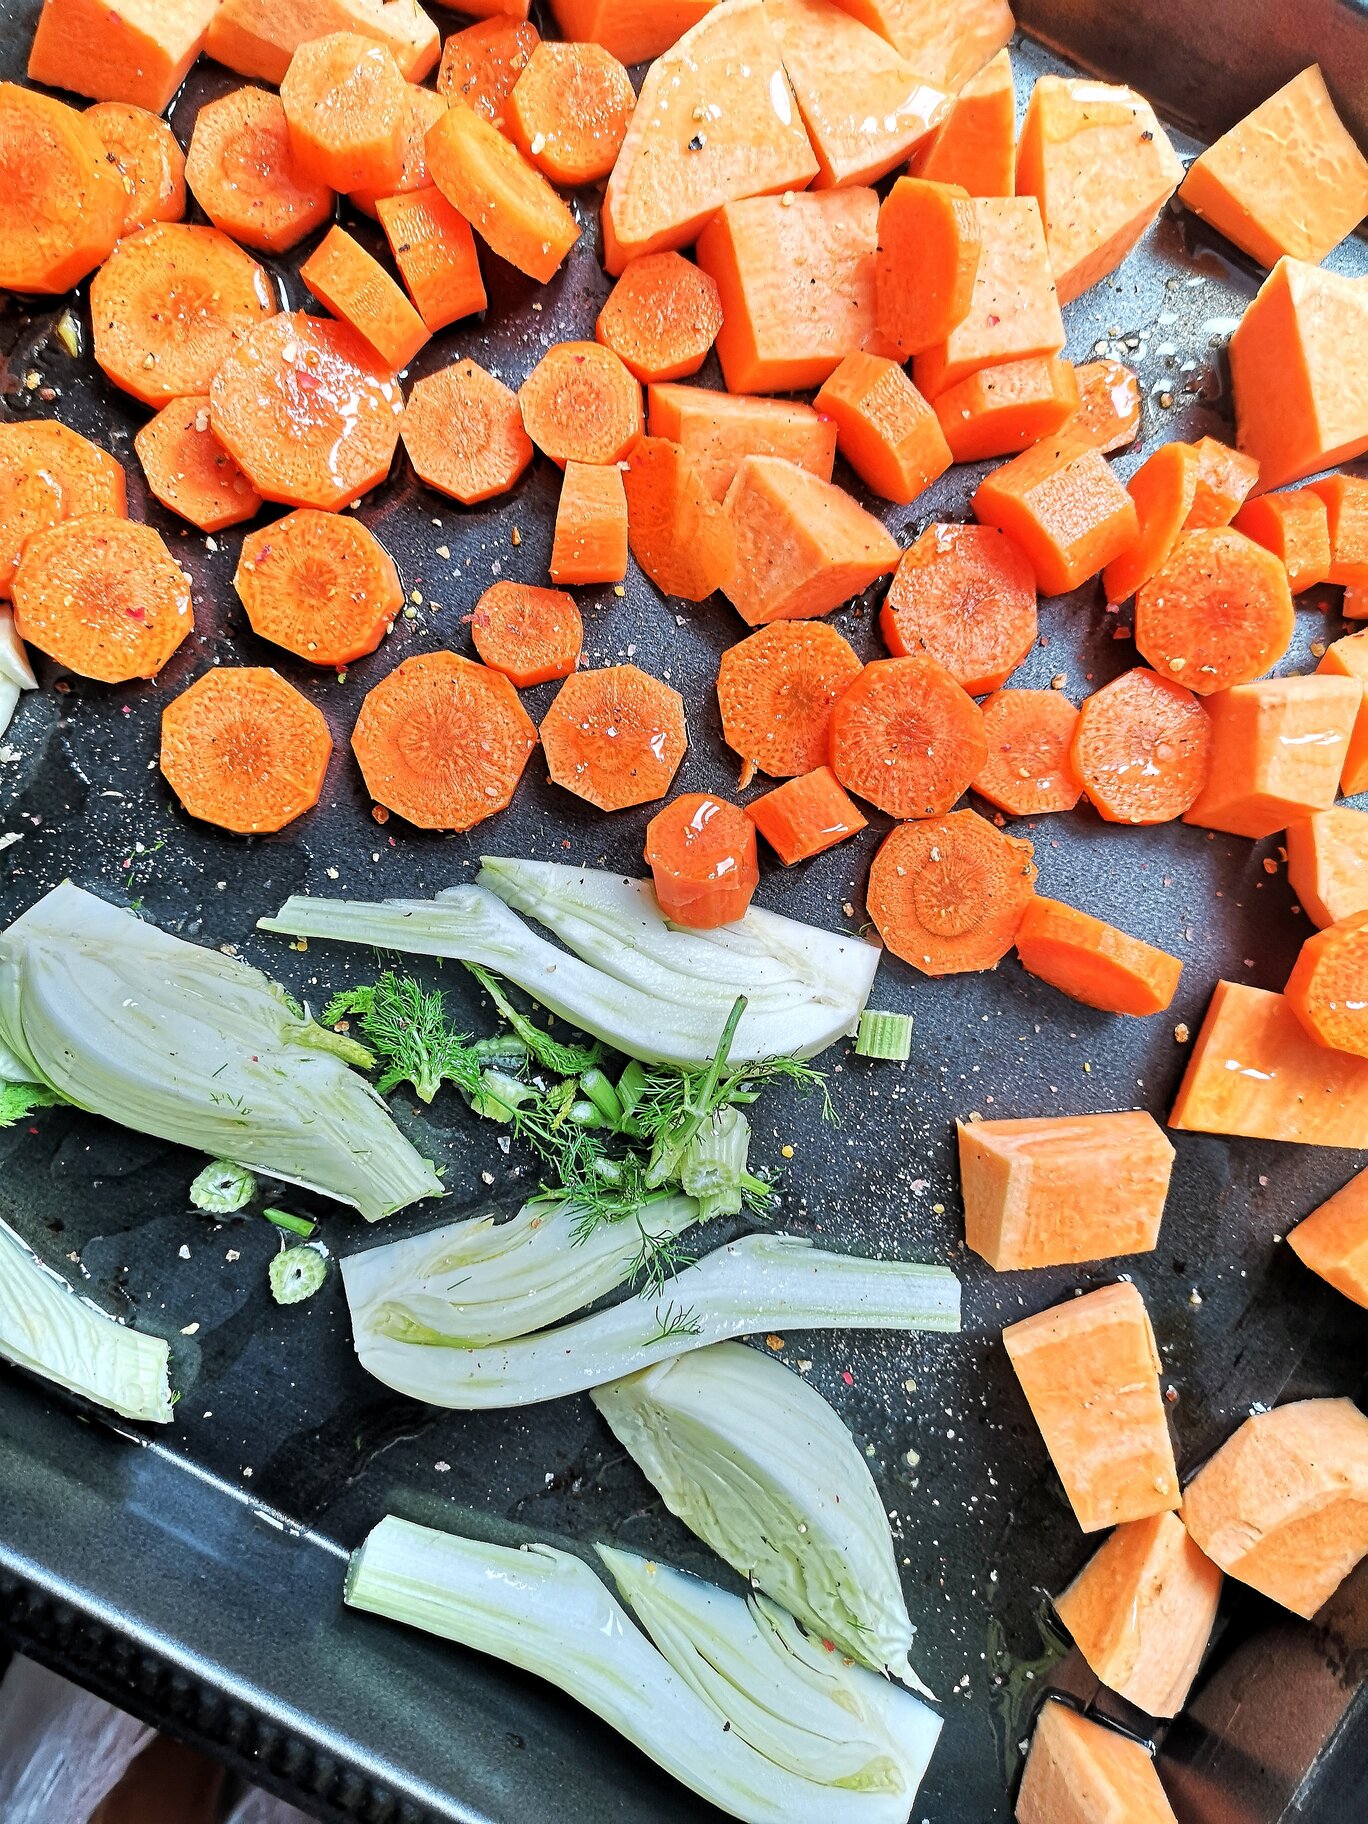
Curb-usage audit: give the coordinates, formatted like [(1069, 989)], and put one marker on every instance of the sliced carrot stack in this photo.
[(907, 738), (615, 737), (633, 33), (1064, 507), (343, 276), (1108, 415), (1002, 409), (1029, 769), (884, 428), (806, 815), (188, 469), (580, 404), (803, 546), (661, 317), (103, 597), (1218, 612), (590, 541), (1295, 527), (89, 479), (1079, 1772), (1327, 864), (442, 741), (320, 585), (776, 689), (679, 534), (1142, 749), (975, 145), (244, 750), (463, 431), (344, 106), (434, 250), (965, 596), (701, 852), (948, 893), (1093, 962), (119, 50), (718, 431), (423, 108), (508, 203), (1224, 478), (62, 201), (569, 111), (930, 247), (257, 40), (1328, 986), (1277, 751), (242, 172), (147, 156), (1346, 506), (482, 64), (531, 635)]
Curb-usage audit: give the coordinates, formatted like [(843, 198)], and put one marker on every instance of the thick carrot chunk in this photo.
[(615, 737), (1277, 750), (531, 635), (1029, 769), (1057, 1189), (1142, 748), (463, 431), (244, 750), (1328, 986), (188, 469), (930, 249), (806, 815), (344, 106), (1163, 489), (1327, 864), (580, 404), (803, 546), (422, 109), (1000, 410), (1090, 1372), (1216, 613), (1346, 506), (1348, 658), (701, 852), (147, 156), (1224, 478), (320, 585), (341, 274), (661, 317), (242, 172), (509, 204), (1333, 1240), (119, 50), (1064, 507), (569, 111), (679, 534), (948, 41), (258, 37), (635, 31), (434, 250), (975, 145), (776, 690), (1094, 962), (1080, 1772), (1296, 528), (884, 428), (103, 597), (719, 430), (947, 893), (482, 65), (964, 595), (590, 541), (1108, 415)]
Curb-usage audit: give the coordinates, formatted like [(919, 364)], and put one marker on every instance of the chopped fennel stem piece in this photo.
[(292, 1224), (297, 1273), (222, 1187), (886, 1036), (732, 1698)]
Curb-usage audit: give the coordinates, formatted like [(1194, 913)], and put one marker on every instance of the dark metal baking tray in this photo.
[(196, 1575)]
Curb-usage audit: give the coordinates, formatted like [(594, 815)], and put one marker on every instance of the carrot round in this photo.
[(615, 737), (806, 815), (580, 404), (661, 317), (147, 156), (1093, 962), (679, 534), (30, 501), (188, 469), (907, 738), (1108, 415), (422, 109), (90, 479), (170, 305), (482, 63), (569, 111), (776, 689), (1328, 986), (62, 202), (1029, 769), (243, 173), (1142, 748), (463, 431), (589, 544), (507, 201), (103, 597), (948, 894), (701, 852), (308, 410), (1163, 489), (242, 749), (434, 249), (344, 105), (965, 596), (929, 245), (1217, 613), (343, 276), (320, 585), (443, 741), (531, 635)]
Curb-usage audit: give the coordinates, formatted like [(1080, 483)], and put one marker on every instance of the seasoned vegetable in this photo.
[(1076, 1766)]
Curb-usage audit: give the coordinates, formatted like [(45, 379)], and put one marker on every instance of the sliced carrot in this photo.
[(678, 533), (1217, 612), (147, 156), (1224, 478), (258, 39), (1295, 527), (343, 276), (776, 689), (569, 111), (803, 546), (1283, 1504), (948, 41), (947, 894), (243, 749), (1163, 489), (1327, 864), (806, 815), (1013, 312), (308, 411), (1299, 405), (1093, 962), (482, 64), (1065, 508), (423, 108), (1050, 1191), (1108, 415), (661, 317), (188, 469), (1277, 751), (344, 106), (243, 173), (884, 428), (1333, 1240), (1346, 506), (1002, 409), (531, 635), (434, 250), (119, 50), (615, 737), (1142, 748), (170, 305), (61, 200), (930, 248), (320, 585), (580, 404), (590, 541), (632, 32), (103, 597), (716, 119), (907, 738), (1081, 1772), (1348, 658), (975, 145), (1029, 769), (30, 501), (1328, 986), (464, 435), (508, 203), (89, 478), (718, 430), (966, 596), (701, 852)]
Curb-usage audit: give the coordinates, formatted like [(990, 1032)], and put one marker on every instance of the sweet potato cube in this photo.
[(1327, 863), (1277, 751), (630, 31), (119, 50), (1063, 505), (945, 41), (975, 147), (803, 546), (718, 430), (1080, 1772), (1348, 658), (1333, 1240), (259, 37)]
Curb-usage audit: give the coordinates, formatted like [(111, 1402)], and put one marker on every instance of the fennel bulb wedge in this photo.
[(732, 1698), (49, 1328), (14, 659), (761, 1282), (755, 1461), (192, 1046)]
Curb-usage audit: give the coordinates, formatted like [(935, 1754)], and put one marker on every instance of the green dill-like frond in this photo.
[(657, 1260), (552, 1054), (406, 1026), (20, 1099), (673, 1321), (348, 1002)]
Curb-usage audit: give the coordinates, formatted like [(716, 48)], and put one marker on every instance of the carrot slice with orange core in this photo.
[(1224, 478), (803, 546), (1029, 769), (1064, 507), (1296, 528), (344, 105), (884, 428), (258, 40), (463, 431), (589, 544), (678, 533), (481, 65), (929, 250), (701, 852), (244, 750), (242, 172), (147, 156), (1348, 658), (975, 146), (1328, 986), (948, 893), (719, 430), (531, 635), (170, 305), (907, 738), (442, 741), (422, 109), (89, 478), (776, 689), (580, 404), (434, 250), (1108, 415), (103, 597), (966, 597), (1277, 752), (62, 202), (188, 469), (356, 288), (569, 111), (1346, 506), (1218, 612), (507, 201), (1078, 1771), (30, 501), (615, 737), (661, 317), (1327, 864), (1142, 748), (1333, 1240), (1093, 962), (308, 410), (1001, 409), (806, 815), (1163, 489), (320, 585)]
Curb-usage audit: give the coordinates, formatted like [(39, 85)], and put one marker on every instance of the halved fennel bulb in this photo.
[(16, 674)]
